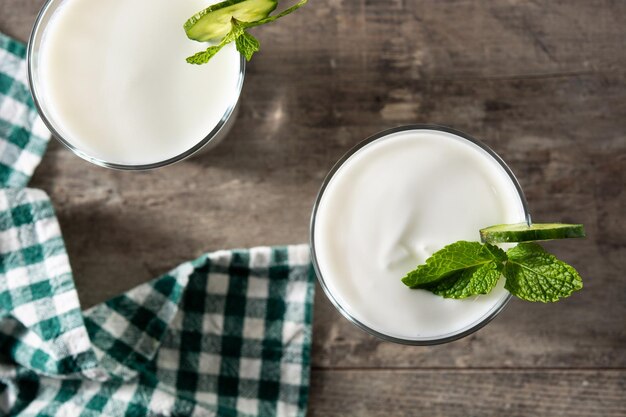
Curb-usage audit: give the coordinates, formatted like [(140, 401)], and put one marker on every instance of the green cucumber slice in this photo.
[(213, 23), (522, 232)]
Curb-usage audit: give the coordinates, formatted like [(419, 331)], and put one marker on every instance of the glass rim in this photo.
[(37, 27), (405, 341)]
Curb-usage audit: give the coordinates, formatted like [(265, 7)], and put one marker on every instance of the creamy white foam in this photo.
[(388, 208), (113, 75)]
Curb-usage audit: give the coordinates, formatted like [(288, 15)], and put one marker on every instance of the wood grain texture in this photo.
[(436, 393), (542, 82)]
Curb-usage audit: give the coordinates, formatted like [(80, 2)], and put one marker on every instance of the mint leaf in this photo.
[(454, 259), (247, 45), (469, 282), (203, 57), (238, 28), (533, 274)]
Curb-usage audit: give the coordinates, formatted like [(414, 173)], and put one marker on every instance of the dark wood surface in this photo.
[(541, 82)]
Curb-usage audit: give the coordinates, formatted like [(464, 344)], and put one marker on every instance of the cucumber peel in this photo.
[(214, 22), (522, 232)]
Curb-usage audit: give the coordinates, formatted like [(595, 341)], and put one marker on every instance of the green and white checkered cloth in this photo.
[(227, 334), (23, 136)]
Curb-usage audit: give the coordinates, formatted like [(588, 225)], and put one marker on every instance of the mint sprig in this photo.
[(464, 269), (246, 44)]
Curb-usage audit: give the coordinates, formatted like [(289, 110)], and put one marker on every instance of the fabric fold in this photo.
[(127, 331), (228, 334), (23, 135), (41, 324)]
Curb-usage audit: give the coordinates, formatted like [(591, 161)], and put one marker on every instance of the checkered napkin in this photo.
[(23, 136), (227, 334)]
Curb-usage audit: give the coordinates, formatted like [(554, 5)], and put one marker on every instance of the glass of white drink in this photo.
[(110, 81), (387, 206)]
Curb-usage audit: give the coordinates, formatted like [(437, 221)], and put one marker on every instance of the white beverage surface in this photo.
[(113, 75), (389, 207)]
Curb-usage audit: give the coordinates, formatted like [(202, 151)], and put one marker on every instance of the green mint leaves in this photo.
[(452, 260), (246, 44), (533, 274), (459, 270), (464, 269), (473, 281)]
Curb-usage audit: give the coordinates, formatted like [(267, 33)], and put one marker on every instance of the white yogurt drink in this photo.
[(389, 205), (111, 81)]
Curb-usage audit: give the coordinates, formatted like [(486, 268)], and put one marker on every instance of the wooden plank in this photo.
[(18, 16), (586, 330), (485, 393), (451, 38), (443, 38)]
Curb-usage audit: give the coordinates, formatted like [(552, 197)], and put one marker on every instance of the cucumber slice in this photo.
[(213, 23), (521, 232)]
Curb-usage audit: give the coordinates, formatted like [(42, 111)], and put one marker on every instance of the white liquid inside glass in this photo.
[(389, 207), (114, 78)]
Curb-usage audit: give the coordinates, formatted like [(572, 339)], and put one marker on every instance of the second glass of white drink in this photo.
[(387, 206)]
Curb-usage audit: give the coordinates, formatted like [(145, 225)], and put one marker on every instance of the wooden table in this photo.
[(542, 82)]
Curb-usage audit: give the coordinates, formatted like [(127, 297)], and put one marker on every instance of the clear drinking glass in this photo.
[(445, 338), (34, 44)]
